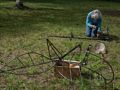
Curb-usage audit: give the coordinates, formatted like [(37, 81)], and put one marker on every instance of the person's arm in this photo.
[(88, 20), (99, 24)]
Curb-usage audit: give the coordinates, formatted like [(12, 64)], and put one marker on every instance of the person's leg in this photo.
[(94, 32), (88, 31)]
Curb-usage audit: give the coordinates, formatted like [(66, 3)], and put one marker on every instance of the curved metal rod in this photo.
[(113, 75), (109, 65), (96, 73), (27, 66), (77, 37), (25, 54), (80, 75), (37, 73), (33, 53)]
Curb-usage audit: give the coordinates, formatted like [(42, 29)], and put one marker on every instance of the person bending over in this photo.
[(93, 23)]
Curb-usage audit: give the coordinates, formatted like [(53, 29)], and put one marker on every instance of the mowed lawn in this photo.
[(27, 30)]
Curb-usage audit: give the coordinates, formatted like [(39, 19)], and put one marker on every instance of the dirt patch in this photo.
[(2, 82), (115, 13)]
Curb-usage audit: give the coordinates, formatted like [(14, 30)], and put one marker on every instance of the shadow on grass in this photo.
[(87, 75), (111, 13), (114, 38), (15, 21), (50, 1), (31, 9)]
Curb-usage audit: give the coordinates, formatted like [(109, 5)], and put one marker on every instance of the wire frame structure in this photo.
[(93, 68)]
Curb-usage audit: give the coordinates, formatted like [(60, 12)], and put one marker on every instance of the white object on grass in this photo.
[(100, 48)]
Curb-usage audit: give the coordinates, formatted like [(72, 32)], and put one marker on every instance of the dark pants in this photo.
[(91, 32)]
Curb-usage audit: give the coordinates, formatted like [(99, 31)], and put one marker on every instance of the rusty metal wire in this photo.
[(46, 60)]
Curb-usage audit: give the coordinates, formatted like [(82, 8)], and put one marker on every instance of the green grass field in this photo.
[(27, 30)]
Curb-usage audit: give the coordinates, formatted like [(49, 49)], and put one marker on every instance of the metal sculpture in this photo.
[(34, 63), (104, 35)]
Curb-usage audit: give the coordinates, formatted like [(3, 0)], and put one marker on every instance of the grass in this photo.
[(26, 30)]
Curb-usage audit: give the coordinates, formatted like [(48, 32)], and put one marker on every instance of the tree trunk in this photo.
[(19, 4)]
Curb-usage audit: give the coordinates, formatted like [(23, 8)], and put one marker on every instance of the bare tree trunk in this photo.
[(19, 4)]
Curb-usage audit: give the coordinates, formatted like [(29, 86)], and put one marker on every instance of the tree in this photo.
[(20, 5)]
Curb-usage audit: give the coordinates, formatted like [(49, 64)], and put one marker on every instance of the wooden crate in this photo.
[(65, 70)]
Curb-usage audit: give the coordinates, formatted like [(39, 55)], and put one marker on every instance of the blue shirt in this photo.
[(90, 21)]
